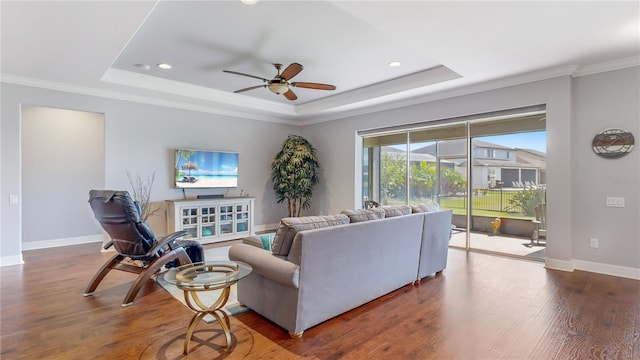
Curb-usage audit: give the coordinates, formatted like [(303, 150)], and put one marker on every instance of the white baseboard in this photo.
[(34, 245), (594, 267), (43, 244), (11, 260), (607, 269), (555, 264)]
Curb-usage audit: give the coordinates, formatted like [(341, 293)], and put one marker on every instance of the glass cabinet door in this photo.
[(189, 217), (242, 218), (226, 219), (208, 221)]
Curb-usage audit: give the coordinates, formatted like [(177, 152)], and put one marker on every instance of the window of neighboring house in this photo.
[(524, 174), (489, 153)]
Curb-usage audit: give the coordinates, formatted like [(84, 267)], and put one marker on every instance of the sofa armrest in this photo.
[(266, 264)]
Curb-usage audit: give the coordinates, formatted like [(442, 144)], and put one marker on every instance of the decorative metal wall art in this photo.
[(613, 143)]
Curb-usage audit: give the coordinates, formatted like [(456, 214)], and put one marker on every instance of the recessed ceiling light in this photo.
[(394, 63), (164, 66), (249, 2)]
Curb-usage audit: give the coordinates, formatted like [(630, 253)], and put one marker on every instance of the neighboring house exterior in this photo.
[(493, 165), (414, 157), (536, 159)]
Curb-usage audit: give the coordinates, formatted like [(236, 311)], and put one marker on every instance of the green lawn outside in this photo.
[(480, 201), (492, 200), (457, 204), (500, 214)]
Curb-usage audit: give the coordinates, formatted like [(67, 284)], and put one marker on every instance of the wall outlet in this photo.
[(594, 243), (615, 202)]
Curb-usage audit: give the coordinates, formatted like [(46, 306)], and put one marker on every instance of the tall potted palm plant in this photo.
[(294, 173)]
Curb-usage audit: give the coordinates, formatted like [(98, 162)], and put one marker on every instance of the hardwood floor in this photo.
[(480, 307)]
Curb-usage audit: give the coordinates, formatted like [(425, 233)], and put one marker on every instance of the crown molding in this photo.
[(448, 89), (150, 100), (607, 66), (455, 91), (201, 93), (378, 93)]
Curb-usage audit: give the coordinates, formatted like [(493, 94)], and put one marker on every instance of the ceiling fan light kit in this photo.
[(278, 88), (280, 83)]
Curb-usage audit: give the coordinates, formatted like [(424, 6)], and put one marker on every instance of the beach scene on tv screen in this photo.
[(206, 169)]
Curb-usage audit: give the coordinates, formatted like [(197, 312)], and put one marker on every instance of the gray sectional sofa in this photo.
[(322, 266)]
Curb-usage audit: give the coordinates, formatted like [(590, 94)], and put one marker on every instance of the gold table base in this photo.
[(195, 303), (194, 279)]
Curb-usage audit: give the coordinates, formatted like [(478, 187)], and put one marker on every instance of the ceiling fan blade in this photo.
[(290, 95), (291, 71), (250, 88), (243, 74), (316, 86)]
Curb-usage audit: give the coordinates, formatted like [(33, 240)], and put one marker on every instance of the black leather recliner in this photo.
[(119, 216)]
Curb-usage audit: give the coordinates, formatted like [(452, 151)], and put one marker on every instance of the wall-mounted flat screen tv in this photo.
[(205, 169)]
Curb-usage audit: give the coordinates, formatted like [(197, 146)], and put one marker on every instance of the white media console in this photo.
[(211, 220)]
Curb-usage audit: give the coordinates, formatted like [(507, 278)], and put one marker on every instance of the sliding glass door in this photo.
[(509, 165), (490, 172)]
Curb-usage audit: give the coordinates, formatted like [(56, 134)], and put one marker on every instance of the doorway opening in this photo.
[(62, 158)]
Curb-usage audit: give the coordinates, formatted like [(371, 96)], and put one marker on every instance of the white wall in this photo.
[(141, 138)]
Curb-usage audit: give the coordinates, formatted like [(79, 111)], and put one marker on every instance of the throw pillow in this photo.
[(396, 210), (359, 215), (428, 207), (267, 239), (289, 227), (433, 206)]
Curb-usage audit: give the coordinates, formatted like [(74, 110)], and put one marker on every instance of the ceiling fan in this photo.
[(280, 83)]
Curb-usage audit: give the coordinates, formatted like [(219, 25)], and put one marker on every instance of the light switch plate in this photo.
[(615, 202), (13, 199)]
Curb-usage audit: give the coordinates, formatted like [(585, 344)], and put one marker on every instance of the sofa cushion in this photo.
[(396, 210), (428, 207), (359, 215), (290, 226)]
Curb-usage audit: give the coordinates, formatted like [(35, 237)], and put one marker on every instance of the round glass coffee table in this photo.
[(207, 276)]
